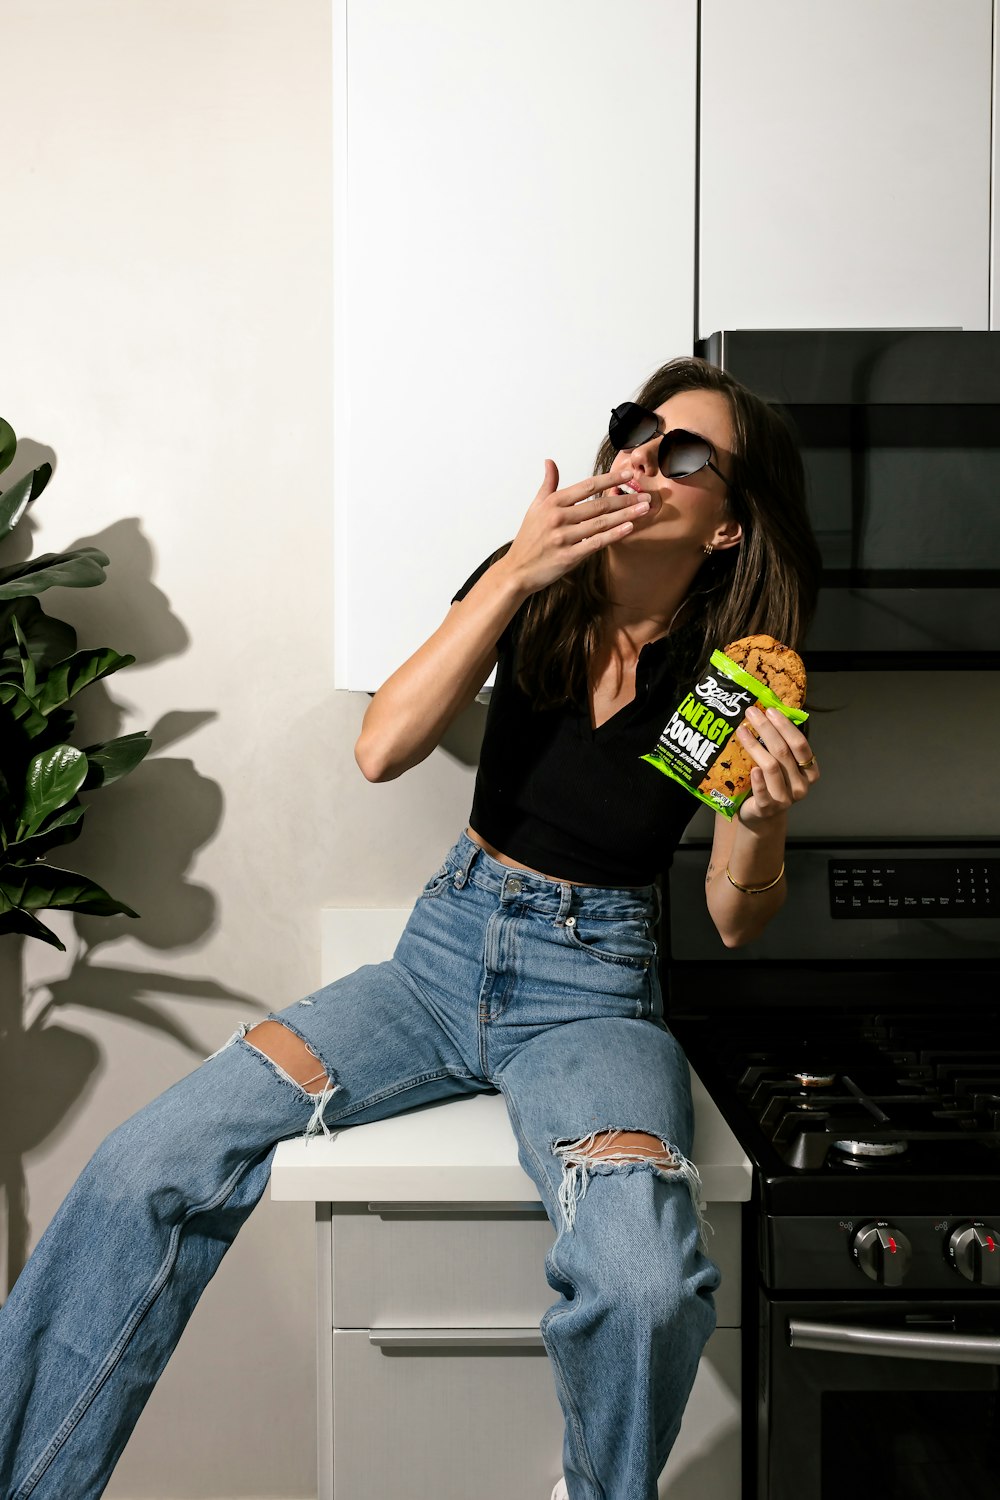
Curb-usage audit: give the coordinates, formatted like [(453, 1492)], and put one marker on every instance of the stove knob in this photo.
[(882, 1253), (975, 1252)]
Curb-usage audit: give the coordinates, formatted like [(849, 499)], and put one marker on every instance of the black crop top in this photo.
[(572, 801)]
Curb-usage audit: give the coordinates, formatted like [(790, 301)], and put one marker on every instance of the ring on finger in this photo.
[(804, 765)]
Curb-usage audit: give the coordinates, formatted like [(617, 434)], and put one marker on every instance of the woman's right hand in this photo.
[(558, 531)]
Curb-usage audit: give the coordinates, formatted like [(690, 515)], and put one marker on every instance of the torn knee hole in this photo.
[(292, 1055), (607, 1151), (617, 1145)]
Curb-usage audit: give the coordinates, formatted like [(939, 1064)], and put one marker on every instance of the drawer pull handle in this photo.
[(467, 1338)]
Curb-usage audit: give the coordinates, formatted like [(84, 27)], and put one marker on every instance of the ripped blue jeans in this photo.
[(502, 981)]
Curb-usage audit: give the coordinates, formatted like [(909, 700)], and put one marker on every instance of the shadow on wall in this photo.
[(464, 736), (139, 843)]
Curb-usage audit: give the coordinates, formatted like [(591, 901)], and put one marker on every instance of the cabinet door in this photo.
[(845, 164), (436, 1420), (514, 243)]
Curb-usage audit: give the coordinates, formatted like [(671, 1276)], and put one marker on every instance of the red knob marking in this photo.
[(892, 1244)]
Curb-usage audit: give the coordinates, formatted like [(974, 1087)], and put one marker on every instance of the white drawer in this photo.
[(437, 1419), (460, 1266), (439, 1422)]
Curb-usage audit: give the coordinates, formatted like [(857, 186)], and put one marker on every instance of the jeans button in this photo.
[(514, 885), (459, 879)]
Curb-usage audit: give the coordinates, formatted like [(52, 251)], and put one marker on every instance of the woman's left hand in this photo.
[(785, 766)]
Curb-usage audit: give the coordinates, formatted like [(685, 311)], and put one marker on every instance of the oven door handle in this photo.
[(898, 1343)]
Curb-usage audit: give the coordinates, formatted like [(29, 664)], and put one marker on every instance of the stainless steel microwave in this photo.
[(899, 431)]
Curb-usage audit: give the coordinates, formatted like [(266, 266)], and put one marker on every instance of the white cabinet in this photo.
[(440, 1383), (514, 254), (845, 164), (432, 1378), (473, 1418), (517, 248)]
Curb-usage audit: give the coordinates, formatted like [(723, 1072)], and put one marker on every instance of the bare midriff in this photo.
[(514, 864)]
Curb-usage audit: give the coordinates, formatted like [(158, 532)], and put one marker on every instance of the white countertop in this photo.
[(464, 1150), (459, 1150)]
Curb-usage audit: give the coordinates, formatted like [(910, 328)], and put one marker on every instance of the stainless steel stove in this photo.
[(855, 1051)]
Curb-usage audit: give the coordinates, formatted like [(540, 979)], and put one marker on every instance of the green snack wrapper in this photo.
[(700, 728)]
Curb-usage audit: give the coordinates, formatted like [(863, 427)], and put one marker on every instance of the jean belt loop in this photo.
[(565, 902), (462, 874)]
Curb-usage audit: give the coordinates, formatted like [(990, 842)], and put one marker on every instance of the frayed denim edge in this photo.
[(578, 1166), (316, 1120)]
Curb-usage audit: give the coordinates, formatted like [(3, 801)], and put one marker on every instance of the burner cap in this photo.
[(815, 1080), (871, 1148)]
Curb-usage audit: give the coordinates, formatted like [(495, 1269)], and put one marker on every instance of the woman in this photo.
[(527, 965)]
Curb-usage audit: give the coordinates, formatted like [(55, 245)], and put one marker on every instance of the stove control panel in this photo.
[(957, 1254), (944, 886), (882, 1252)]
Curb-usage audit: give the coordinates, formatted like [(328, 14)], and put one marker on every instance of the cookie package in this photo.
[(697, 746)]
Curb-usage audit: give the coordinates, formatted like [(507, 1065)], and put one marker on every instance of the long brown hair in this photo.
[(765, 585)]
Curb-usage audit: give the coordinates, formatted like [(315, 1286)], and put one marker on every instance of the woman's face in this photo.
[(693, 507)]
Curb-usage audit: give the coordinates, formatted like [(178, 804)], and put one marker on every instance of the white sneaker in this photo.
[(560, 1492)]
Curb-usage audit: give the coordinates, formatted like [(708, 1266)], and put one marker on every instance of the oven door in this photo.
[(904, 1396)]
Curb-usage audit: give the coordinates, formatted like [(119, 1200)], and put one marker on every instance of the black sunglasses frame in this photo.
[(668, 438)]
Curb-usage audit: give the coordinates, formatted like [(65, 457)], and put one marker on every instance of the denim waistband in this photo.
[(472, 864)]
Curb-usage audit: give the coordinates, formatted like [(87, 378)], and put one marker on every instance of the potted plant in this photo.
[(42, 775)]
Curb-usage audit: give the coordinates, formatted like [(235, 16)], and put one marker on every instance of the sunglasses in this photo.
[(680, 452)]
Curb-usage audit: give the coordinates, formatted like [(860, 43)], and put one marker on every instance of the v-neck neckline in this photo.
[(599, 729), (596, 729)]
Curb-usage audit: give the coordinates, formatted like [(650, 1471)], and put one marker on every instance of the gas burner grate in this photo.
[(912, 1090)]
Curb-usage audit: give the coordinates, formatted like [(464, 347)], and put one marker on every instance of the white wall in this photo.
[(166, 329), (166, 297)]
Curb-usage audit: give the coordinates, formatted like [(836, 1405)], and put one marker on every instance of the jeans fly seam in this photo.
[(416, 990), (37, 1472)]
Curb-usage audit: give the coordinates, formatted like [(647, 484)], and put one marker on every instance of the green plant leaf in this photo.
[(8, 444), (37, 887), (49, 640), (82, 569), (23, 709), (27, 665), (67, 678), (64, 828), (15, 920), (8, 806), (54, 776), (15, 501), (115, 758), (60, 819)]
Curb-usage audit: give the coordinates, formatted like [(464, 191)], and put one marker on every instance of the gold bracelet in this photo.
[(755, 890)]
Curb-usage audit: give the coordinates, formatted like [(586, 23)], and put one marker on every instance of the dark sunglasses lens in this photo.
[(630, 425), (683, 455)]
